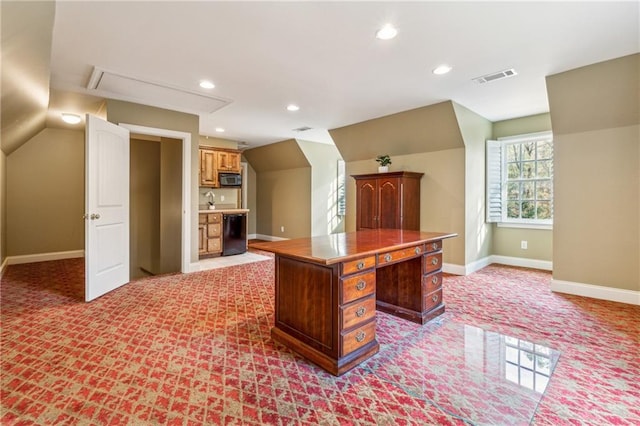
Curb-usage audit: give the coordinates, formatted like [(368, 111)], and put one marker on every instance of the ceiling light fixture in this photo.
[(219, 130), (292, 107), (442, 69), (71, 118), (205, 84), (387, 32)]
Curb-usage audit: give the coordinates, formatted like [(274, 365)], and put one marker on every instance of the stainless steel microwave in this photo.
[(233, 180)]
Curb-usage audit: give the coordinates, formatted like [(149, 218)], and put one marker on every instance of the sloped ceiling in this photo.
[(426, 129), (27, 29), (278, 156)]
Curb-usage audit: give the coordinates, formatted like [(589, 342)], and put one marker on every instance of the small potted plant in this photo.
[(384, 161)]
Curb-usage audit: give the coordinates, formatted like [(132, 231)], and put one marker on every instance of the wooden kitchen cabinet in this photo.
[(208, 173), (228, 161), (210, 234), (213, 160), (388, 200)]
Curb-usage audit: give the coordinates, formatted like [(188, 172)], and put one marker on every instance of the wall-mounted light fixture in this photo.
[(71, 118)]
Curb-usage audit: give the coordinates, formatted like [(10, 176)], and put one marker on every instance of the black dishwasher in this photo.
[(234, 233)]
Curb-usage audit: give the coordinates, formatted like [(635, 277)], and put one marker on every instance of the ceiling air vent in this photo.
[(495, 76), (302, 129)]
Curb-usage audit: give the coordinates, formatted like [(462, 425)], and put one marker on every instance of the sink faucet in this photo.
[(212, 196)]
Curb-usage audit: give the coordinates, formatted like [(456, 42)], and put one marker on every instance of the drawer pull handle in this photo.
[(417, 250), (360, 312), (360, 265), (360, 336), (434, 261), (361, 285), (434, 246), (434, 280), (434, 298), (387, 257)]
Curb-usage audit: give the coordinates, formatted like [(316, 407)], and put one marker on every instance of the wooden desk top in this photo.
[(335, 248)]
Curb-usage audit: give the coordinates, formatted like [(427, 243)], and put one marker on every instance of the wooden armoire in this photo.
[(388, 200)]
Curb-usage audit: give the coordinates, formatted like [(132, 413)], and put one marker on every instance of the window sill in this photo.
[(525, 225)]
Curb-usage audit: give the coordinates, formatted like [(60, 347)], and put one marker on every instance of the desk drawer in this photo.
[(433, 246), (358, 312), (357, 338), (358, 286), (431, 283), (396, 255), (432, 300), (357, 265), (432, 262)]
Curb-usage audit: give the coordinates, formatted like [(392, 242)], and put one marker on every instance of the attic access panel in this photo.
[(118, 86)]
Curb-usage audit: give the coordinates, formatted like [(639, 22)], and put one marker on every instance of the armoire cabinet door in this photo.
[(367, 204), (389, 207)]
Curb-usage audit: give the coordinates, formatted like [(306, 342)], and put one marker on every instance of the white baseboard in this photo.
[(4, 266), (522, 262), (596, 291), (44, 257), (269, 237), (451, 268)]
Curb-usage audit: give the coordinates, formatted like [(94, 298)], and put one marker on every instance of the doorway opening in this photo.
[(155, 195), (176, 141)]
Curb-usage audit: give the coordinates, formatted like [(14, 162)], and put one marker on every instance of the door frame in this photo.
[(186, 183)]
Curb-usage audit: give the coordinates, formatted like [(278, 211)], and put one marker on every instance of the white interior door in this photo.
[(106, 207)]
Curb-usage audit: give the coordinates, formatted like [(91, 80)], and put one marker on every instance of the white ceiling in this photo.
[(324, 57)]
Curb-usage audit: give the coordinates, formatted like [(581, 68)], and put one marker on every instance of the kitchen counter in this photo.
[(223, 210)]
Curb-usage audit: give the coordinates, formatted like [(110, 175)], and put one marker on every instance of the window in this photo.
[(520, 180), (341, 192)]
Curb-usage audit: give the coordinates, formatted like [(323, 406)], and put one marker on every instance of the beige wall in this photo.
[(217, 142), (45, 194), (596, 116), (506, 241), (442, 193), (144, 241), (475, 131), (284, 199), (324, 185), (170, 205), (126, 112), (283, 190), (3, 208)]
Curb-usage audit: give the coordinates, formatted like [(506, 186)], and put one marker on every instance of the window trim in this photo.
[(494, 151)]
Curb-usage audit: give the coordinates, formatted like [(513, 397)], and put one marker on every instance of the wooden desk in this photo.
[(328, 288)]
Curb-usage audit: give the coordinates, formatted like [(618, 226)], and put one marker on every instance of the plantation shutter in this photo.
[(341, 202), (494, 181)]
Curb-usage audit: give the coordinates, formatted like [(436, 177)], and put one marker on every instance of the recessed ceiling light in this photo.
[(387, 32), (292, 107), (442, 69), (219, 130), (71, 118), (205, 84)]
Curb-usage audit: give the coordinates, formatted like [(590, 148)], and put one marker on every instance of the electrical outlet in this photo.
[(222, 198), (282, 229), (523, 244)]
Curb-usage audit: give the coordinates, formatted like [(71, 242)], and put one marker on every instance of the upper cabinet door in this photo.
[(208, 175)]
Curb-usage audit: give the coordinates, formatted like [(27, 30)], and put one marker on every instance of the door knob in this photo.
[(95, 216)]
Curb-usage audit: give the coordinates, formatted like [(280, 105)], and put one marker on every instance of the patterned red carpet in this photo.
[(195, 349)]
